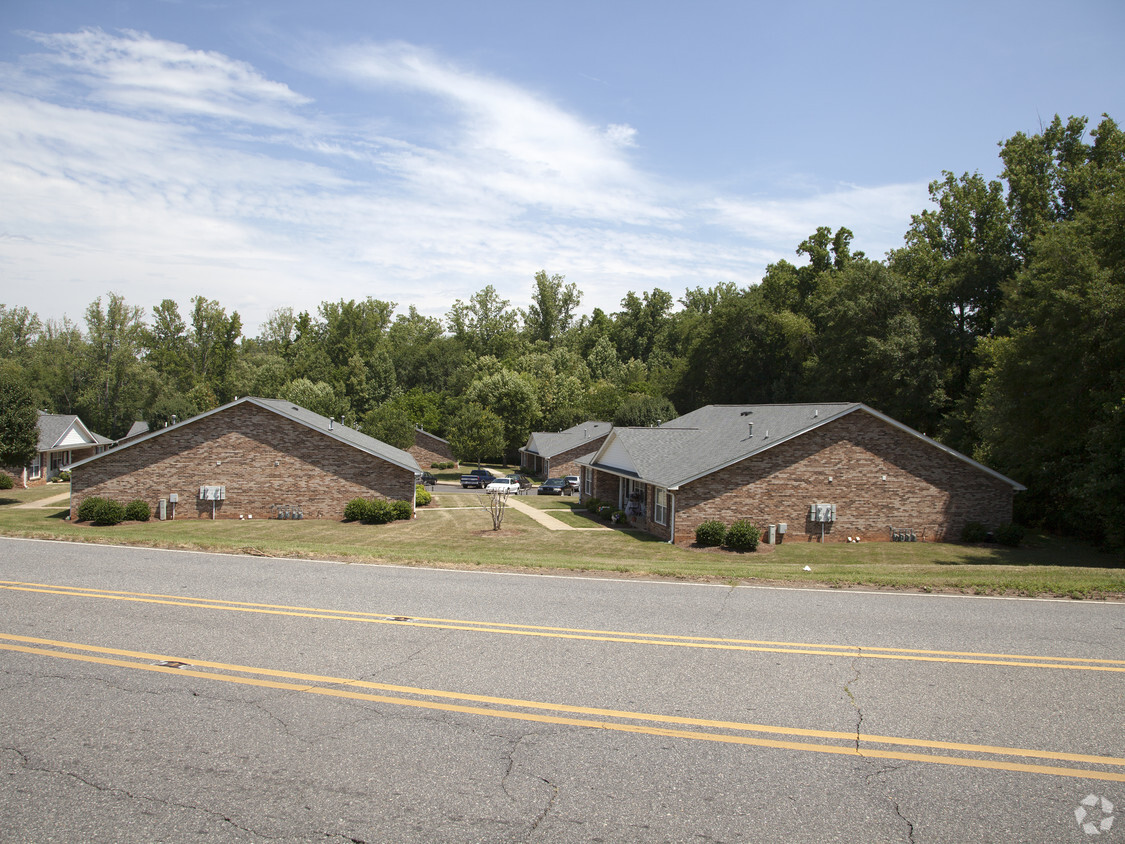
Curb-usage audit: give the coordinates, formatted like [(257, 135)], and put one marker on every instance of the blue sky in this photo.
[(271, 154)]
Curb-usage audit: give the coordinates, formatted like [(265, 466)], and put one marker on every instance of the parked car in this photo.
[(428, 479), (523, 480), (572, 481), (554, 486), (506, 485), (478, 478)]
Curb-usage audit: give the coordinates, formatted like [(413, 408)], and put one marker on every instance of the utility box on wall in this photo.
[(822, 513)]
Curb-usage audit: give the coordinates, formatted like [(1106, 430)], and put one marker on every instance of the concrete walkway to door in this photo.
[(545, 518)]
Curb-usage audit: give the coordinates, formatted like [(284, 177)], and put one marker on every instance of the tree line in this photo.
[(997, 329)]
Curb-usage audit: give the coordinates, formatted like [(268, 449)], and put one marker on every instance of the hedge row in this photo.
[(376, 511), (104, 512), (741, 536)]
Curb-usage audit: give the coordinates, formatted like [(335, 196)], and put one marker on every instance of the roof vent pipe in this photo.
[(331, 419), (751, 429)]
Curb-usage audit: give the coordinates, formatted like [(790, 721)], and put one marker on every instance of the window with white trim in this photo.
[(587, 475), (660, 506), (35, 470)]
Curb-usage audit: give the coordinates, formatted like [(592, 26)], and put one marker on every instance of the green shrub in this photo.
[(401, 510), (711, 534), (88, 509), (62, 477), (592, 504), (974, 532), (743, 536), (109, 513), (606, 511), (379, 512), (617, 517), (422, 496), (137, 511), (356, 510), (1009, 534), (6, 481)]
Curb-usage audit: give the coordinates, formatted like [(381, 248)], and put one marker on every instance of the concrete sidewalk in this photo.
[(544, 518), (44, 502)]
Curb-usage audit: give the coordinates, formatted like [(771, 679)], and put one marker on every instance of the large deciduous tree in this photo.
[(551, 313)]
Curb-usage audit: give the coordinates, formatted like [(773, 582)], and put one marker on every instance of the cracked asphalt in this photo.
[(340, 703)]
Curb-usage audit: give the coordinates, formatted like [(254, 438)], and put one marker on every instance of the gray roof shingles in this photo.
[(53, 427), (354, 438), (712, 437), (549, 444)]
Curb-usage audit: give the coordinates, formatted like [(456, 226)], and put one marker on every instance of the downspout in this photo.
[(672, 521)]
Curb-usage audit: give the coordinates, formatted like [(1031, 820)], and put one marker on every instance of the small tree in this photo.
[(497, 505), (476, 433)]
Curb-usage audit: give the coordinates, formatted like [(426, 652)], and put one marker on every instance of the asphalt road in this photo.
[(318, 702)]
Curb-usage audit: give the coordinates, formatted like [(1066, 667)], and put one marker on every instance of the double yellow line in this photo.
[(697, 729), (623, 637)]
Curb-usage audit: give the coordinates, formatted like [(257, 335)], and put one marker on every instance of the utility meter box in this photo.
[(162, 509), (822, 513)]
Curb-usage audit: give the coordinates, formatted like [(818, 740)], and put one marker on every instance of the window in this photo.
[(660, 507), (587, 474), (36, 468)]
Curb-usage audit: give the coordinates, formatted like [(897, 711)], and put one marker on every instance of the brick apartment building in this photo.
[(429, 449), (555, 455), (268, 456), (827, 472)]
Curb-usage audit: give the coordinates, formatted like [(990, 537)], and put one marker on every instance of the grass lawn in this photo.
[(35, 493), (461, 536)]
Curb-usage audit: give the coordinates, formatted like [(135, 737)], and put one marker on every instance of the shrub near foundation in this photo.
[(743, 536), (6, 481), (108, 513), (138, 511), (711, 534), (88, 509)]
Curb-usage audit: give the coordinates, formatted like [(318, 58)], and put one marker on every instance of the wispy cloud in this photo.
[(146, 167)]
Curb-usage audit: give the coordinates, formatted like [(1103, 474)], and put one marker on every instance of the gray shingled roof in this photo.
[(713, 437), (547, 444), (298, 414), (137, 428), (53, 427)]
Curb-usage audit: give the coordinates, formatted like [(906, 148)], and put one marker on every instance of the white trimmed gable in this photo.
[(76, 436), (614, 455)]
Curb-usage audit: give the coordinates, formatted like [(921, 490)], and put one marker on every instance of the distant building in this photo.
[(555, 455), (429, 449), (63, 439)]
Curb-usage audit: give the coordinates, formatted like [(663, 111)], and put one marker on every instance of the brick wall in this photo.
[(926, 490), (564, 464), (264, 460), (428, 449)]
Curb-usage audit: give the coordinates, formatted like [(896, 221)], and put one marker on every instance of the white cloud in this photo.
[(175, 172), (134, 71)]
